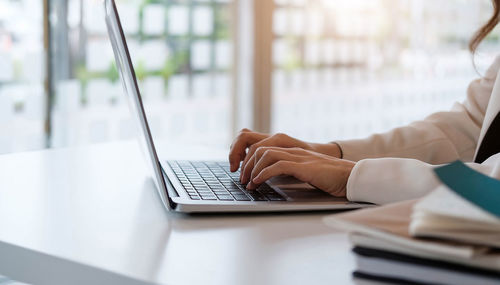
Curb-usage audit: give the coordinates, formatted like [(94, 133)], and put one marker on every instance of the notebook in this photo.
[(463, 209), (375, 264), (387, 228), (443, 214)]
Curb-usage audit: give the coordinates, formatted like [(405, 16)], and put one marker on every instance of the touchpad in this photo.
[(295, 189)]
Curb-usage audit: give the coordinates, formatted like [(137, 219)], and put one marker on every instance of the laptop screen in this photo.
[(129, 81)]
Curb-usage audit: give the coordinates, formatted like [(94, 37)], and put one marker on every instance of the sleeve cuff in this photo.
[(388, 180), (351, 182)]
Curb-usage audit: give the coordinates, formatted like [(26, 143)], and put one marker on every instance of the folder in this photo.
[(386, 229)]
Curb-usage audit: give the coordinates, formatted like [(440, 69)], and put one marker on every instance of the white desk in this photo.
[(90, 215)]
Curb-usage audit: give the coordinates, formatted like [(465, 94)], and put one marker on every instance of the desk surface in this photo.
[(91, 215)]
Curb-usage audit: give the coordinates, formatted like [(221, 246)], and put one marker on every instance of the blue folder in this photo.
[(479, 189)]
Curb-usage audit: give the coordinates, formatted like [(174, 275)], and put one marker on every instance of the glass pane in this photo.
[(349, 68), (22, 73), (181, 52)]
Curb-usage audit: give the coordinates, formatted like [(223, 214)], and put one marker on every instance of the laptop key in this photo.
[(256, 196), (241, 197), (204, 191), (201, 187), (221, 191), (266, 189), (213, 197), (236, 190), (216, 186), (225, 197)]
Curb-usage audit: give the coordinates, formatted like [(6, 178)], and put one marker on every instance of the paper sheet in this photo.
[(475, 187)]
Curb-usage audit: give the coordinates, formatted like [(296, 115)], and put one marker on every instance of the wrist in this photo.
[(331, 149), (346, 173)]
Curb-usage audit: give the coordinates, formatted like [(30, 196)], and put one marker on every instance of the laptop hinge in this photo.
[(170, 189)]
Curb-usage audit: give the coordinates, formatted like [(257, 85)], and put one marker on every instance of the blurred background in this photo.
[(319, 70)]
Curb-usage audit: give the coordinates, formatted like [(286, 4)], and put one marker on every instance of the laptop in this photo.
[(208, 186)]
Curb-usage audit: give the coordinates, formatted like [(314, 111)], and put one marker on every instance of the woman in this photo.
[(393, 166)]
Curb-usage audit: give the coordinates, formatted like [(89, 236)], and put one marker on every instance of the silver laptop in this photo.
[(208, 186)]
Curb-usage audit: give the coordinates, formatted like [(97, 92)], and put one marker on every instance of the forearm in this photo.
[(331, 149)]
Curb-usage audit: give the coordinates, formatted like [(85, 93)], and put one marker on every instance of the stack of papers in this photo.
[(440, 239), (445, 215)]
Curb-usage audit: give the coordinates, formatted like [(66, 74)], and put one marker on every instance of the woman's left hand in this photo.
[(322, 171)]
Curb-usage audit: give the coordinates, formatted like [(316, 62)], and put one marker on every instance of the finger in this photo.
[(245, 139), (279, 168), (269, 141), (238, 149), (277, 140), (271, 157), (246, 168)]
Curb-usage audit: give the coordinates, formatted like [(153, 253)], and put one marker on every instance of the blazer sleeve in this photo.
[(397, 165), (388, 180)]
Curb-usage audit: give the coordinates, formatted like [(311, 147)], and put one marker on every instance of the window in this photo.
[(349, 68), (339, 68), (22, 74), (182, 55)]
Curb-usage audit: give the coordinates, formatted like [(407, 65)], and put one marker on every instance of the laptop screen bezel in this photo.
[(129, 79)]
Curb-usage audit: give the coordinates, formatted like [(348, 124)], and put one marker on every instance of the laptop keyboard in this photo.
[(213, 181)]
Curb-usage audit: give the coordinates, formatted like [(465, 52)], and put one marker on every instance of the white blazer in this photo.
[(397, 165)]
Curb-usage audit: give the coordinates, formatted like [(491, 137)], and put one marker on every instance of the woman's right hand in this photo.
[(250, 140)]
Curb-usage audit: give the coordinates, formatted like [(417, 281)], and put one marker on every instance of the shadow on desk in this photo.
[(228, 239), (264, 222)]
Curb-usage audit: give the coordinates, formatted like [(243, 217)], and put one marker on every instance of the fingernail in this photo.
[(250, 186)]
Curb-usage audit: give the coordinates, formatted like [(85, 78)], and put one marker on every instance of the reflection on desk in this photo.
[(91, 215)]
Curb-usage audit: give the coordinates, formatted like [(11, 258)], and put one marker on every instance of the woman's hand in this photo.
[(253, 140), (322, 171)]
